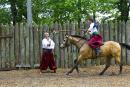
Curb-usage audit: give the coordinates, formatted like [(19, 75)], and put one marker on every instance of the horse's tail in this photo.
[(125, 45)]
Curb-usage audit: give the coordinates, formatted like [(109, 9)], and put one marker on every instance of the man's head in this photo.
[(46, 34), (90, 20)]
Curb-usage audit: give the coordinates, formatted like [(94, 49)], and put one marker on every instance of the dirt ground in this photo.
[(88, 77)]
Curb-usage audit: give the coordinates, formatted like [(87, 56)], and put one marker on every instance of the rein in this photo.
[(79, 41), (82, 44)]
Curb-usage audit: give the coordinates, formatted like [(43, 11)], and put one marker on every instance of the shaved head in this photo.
[(46, 34)]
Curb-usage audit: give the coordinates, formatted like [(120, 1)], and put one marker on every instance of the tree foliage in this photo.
[(123, 7), (48, 11)]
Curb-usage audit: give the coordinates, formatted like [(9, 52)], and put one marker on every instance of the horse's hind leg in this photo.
[(120, 68), (108, 62), (120, 64)]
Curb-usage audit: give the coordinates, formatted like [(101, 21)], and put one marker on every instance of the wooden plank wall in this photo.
[(20, 45)]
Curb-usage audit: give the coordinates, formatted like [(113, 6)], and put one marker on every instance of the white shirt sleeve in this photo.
[(92, 28), (44, 43), (52, 46)]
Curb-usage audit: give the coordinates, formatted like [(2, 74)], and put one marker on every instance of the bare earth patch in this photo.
[(88, 77)]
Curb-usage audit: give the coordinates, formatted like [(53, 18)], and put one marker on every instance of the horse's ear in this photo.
[(66, 35)]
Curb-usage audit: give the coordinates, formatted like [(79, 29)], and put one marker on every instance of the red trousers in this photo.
[(95, 41), (47, 60)]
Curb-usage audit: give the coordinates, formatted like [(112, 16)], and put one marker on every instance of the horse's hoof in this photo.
[(78, 74), (119, 73), (100, 74), (67, 74)]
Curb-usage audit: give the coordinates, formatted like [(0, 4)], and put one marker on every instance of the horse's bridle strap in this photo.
[(79, 41)]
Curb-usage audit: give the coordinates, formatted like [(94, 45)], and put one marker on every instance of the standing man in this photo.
[(47, 55)]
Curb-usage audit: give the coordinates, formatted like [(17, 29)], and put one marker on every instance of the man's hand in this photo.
[(88, 31)]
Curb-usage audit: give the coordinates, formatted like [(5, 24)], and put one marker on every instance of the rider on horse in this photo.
[(96, 40)]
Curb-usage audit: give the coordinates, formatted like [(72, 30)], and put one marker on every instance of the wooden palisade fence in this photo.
[(20, 45)]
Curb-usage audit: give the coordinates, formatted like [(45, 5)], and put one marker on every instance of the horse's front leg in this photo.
[(77, 69), (74, 67)]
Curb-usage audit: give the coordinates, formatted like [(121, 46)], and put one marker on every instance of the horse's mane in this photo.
[(79, 37)]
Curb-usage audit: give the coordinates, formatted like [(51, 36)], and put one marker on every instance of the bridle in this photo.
[(78, 42)]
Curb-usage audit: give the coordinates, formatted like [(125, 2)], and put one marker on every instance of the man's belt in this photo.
[(47, 50)]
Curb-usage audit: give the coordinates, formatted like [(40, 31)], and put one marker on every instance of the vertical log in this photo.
[(22, 45), (16, 44), (128, 42), (11, 47), (36, 44), (64, 51), (27, 45), (40, 37), (2, 47), (31, 45), (7, 54), (123, 40), (56, 40)]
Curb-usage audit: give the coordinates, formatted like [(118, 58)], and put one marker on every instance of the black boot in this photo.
[(97, 50)]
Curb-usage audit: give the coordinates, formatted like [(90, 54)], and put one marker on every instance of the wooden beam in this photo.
[(8, 36)]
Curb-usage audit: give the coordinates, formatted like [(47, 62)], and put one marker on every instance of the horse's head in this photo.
[(66, 42), (73, 39)]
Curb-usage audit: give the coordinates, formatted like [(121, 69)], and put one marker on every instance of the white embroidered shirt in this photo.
[(92, 29), (48, 44)]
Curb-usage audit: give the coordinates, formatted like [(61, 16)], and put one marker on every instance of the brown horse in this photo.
[(109, 50)]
